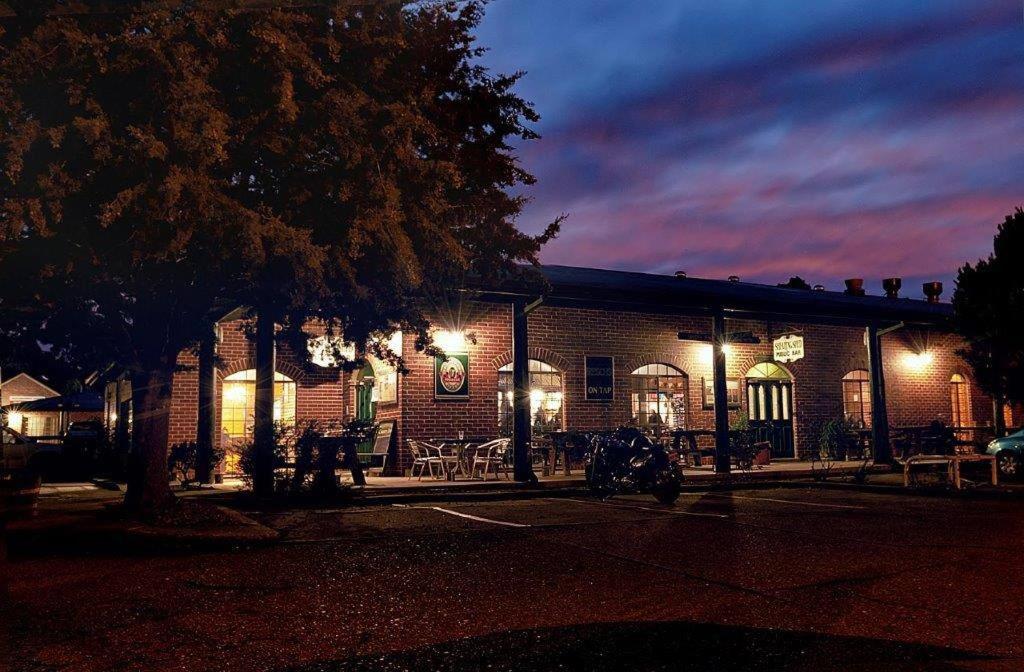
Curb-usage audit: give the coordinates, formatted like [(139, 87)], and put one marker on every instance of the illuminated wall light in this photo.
[(918, 361), (450, 341), (15, 420), (707, 353)]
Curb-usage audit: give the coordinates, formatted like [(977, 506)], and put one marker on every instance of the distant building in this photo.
[(36, 409)]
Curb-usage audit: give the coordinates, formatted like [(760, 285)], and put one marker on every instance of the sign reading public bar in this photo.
[(788, 348), (451, 377), (600, 378)]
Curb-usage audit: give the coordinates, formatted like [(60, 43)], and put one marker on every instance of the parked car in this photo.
[(23, 453), (1009, 452)]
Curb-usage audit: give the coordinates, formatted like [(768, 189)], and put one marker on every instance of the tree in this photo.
[(324, 162), (989, 306)]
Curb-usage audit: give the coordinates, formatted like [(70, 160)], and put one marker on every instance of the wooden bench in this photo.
[(953, 464)]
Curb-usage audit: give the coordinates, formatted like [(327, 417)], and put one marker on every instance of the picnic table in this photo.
[(953, 465)]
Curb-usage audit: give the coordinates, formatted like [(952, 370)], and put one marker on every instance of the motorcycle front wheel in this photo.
[(667, 489)]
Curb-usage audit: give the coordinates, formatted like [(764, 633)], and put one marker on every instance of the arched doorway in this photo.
[(770, 407), (365, 403), (960, 401)]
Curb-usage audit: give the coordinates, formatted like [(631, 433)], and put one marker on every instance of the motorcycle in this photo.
[(629, 462)]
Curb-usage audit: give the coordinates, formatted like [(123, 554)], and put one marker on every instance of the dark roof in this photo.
[(570, 285), (87, 402)]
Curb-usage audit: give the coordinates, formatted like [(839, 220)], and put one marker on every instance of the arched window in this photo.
[(960, 400), (545, 398), (238, 401), (659, 396), (857, 398)]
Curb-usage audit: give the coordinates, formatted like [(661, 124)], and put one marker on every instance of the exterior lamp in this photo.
[(450, 341), (14, 420), (707, 354), (918, 361)]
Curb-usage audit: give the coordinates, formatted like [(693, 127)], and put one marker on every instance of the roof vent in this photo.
[(932, 291), (734, 278), (855, 286), (892, 287), (680, 274), (819, 288)]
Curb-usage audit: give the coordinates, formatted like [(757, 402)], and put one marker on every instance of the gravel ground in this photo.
[(757, 579)]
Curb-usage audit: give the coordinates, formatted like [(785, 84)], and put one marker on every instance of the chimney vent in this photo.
[(855, 286), (819, 288), (680, 274), (734, 278), (892, 287), (932, 291)]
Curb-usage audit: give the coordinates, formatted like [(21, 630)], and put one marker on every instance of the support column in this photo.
[(722, 453), (206, 420), (263, 411), (879, 413), (521, 425)]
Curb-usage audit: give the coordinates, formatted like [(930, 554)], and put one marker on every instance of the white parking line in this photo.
[(795, 502), (640, 508), (478, 518)]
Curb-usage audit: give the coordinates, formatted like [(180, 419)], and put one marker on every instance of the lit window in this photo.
[(40, 424), (238, 402), (658, 396), (545, 398), (857, 398)]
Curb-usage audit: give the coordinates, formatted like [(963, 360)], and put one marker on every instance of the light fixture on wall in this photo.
[(918, 361), (450, 341), (15, 420), (707, 353)]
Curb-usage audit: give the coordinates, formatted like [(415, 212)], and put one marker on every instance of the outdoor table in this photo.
[(953, 463), (459, 445)]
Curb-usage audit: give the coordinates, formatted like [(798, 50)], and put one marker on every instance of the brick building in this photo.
[(35, 409), (658, 333)]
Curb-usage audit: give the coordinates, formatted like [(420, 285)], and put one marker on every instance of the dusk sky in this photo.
[(770, 138)]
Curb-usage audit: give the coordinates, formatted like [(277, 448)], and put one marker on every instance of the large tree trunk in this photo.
[(148, 479), (263, 412), (207, 414)]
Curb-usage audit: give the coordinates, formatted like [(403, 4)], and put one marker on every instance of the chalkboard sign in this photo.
[(600, 378), (382, 442)]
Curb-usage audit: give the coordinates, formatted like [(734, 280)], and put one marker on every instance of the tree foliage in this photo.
[(334, 161), (989, 305)]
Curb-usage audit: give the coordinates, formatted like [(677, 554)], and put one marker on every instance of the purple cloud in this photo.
[(866, 139)]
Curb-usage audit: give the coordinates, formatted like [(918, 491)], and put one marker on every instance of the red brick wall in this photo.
[(320, 393), (23, 386), (563, 336)]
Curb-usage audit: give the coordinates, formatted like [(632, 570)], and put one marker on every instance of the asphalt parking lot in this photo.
[(750, 579)]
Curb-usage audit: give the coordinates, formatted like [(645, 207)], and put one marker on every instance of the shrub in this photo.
[(836, 439), (183, 457)]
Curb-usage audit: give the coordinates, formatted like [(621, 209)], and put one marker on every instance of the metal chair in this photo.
[(489, 457), (450, 462), (422, 458)]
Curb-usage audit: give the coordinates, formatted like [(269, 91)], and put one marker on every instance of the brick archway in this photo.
[(541, 354), (245, 363), (683, 364)]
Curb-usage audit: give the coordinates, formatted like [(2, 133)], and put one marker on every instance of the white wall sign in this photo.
[(788, 348)]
